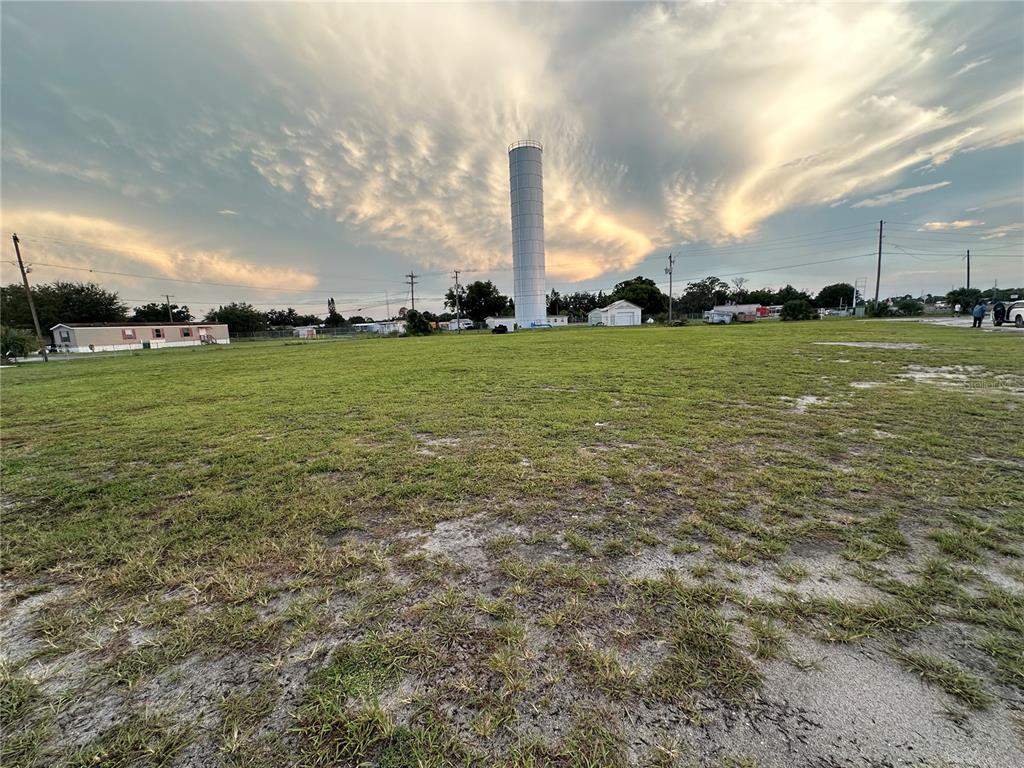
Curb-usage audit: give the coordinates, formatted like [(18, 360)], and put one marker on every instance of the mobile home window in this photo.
[(186, 332), (65, 336), (127, 333), (158, 333)]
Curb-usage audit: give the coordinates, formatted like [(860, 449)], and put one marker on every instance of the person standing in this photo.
[(956, 310), (979, 314)]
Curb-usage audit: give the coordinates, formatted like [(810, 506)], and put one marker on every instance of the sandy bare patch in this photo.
[(435, 442), (802, 403), (463, 540), (871, 344)]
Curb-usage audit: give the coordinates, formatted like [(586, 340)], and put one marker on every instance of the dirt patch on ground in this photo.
[(802, 403), (870, 344), (464, 540)]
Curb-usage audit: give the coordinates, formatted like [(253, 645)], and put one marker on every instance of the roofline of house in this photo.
[(135, 325)]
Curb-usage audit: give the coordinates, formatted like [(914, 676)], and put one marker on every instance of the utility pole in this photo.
[(968, 269), (668, 271), (28, 295), (878, 274), (170, 315), (412, 288), (387, 303), (458, 303)]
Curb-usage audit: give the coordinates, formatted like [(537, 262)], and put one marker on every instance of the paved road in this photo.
[(965, 322)]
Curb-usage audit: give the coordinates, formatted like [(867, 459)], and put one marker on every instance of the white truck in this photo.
[(1008, 312)]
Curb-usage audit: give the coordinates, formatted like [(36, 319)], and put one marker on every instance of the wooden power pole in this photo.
[(668, 271), (28, 296), (170, 315), (458, 303)]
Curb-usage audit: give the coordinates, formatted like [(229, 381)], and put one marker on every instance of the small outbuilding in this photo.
[(112, 337), (617, 313), (493, 322)]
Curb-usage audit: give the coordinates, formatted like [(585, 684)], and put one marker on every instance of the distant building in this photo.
[(305, 331), (617, 313), (464, 323), (381, 326), (558, 319), (111, 337), (493, 322), (746, 309)]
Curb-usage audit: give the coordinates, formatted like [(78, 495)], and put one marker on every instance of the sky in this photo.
[(282, 153)]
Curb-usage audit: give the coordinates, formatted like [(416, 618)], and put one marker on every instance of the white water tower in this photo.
[(527, 188)]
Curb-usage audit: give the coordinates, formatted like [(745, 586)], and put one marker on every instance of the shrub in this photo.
[(877, 309), (416, 324), (15, 342), (909, 307), (798, 309)]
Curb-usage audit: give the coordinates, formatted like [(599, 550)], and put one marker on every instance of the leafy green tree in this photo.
[(359, 319), (835, 295), (290, 318), (478, 300), (703, 294), (763, 296), (788, 293), (417, 324), (965, 297), (17, 342), (555, 302), (154, 312), (333, 319), (643, 292), (239, 317), (909, 306), (798, 309), (61, 302), (579, 304)]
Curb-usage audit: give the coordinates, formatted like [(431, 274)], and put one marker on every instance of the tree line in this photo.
[(70, 302)]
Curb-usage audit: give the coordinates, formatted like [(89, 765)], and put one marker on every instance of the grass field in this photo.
[(734, 546)]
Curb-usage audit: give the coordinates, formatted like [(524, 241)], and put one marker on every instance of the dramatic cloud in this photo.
[(897, 195), (1003, 231), (362, 141), (933, 226), (81, 241)]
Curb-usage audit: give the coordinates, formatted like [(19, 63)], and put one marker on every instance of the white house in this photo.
[(617, 313), (112, 337), (555, 320)]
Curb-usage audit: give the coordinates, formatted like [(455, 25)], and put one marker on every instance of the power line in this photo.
[(780, 267)]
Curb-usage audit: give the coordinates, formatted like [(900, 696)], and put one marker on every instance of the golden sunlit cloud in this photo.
[(88, 241)]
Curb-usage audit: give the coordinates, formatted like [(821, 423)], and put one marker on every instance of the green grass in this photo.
[(944, 673), (421, 544)]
